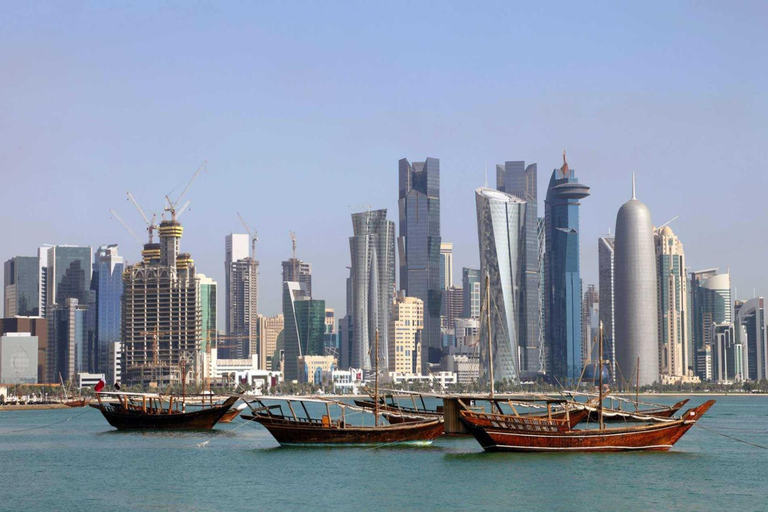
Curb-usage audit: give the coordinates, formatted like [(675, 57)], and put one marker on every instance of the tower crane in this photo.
[(173, 205), (151, 225), (126, 226), (253, 234), (293, 255)]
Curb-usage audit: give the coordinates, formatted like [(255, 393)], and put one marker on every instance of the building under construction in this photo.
[(162, 318)]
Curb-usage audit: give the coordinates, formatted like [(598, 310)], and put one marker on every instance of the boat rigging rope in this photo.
[(731, 437), (87, 409)]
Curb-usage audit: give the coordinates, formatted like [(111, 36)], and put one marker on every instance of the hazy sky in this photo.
[(302, 109)]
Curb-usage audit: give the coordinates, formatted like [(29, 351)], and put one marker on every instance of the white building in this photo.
[(18, 358)]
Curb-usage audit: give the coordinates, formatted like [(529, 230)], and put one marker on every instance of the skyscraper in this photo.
[(516, 178), (108, 267), (372, 251), (270, 328), (562, 274), (242, 281), (470, 281), (304, 326), (606, 291), (299, 272), (713, 306), (590, 323), (675, 355), (750, 332), (501, 235), (697, 278), (206, 295), (67, 275), (404, 353), (22, 286), (637, 324), (162, 319), (446, 265), (419, 247)]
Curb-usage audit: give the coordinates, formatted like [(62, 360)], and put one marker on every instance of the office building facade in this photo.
[(242, 296), (607, 297), (562, 274), (372, 281), (108, 267), (22, 286), (501, 236), (750, 333), (406, 326), (419, 247), (303, 327), (470, 284)]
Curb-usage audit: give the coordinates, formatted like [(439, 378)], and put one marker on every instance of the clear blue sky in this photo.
[(302, 109)]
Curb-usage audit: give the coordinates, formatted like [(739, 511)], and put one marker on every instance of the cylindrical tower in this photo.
[(636, 313), (170, 234)]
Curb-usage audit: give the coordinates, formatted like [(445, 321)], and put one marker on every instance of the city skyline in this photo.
[(669, 121)]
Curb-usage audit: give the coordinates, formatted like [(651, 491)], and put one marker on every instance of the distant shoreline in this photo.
[(32, 407)]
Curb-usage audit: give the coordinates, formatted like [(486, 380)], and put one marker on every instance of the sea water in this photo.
[(72, 460)]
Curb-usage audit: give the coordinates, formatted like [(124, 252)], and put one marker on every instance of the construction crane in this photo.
[(151, 225), (293, 255), (172, 205), (253, 234), (126, 226)]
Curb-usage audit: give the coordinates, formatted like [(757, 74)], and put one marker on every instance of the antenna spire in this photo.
[(633, 185)]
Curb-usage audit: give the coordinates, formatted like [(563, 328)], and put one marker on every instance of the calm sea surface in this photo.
[(84, 464)]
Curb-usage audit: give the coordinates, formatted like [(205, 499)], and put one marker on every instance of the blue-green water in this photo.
[(83, 464)]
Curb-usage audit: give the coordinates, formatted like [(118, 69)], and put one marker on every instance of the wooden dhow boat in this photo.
[(329, 430), (232, 413), (515, 434), (151, 411)]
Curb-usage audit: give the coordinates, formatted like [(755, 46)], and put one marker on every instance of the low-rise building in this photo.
[(316, 369), (18, 358)]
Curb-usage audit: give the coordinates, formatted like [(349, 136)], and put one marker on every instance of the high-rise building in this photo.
[(637, 320), (304, 326), (590, 324), (206, 295), (470, 280), (270, 328), (22, 286), (562, 274), (750, 333), (606, 292), (346, 329), (712, 303), (453, 298), (501, 235), (298, 271), (516, 178), (242, 286), (67, 340), (331, 336), (108, 267), (406, 327), (419, 247), (242, 281), (372, 250), (37, 327), (69, 274), (446, 265), (696, 305), (162, 317), (675, 356)]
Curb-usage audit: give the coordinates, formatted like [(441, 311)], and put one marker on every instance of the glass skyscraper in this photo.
[(501, 236), (69, 271), (419, 247), (521, 181), (372, 251), (108, 280), (470, 284), (562, 274), (22, 286), (304, 327)]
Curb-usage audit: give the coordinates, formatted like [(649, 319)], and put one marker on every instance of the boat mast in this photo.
[(490, 341), (600, 379), (376, 382), (637, 385)]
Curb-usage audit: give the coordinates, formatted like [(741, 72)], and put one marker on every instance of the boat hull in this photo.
[(656, 437), (642, 415), (288, 432), (204, 419)]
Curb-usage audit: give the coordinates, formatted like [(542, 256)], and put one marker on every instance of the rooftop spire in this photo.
[(633, 185), (565, 170)]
